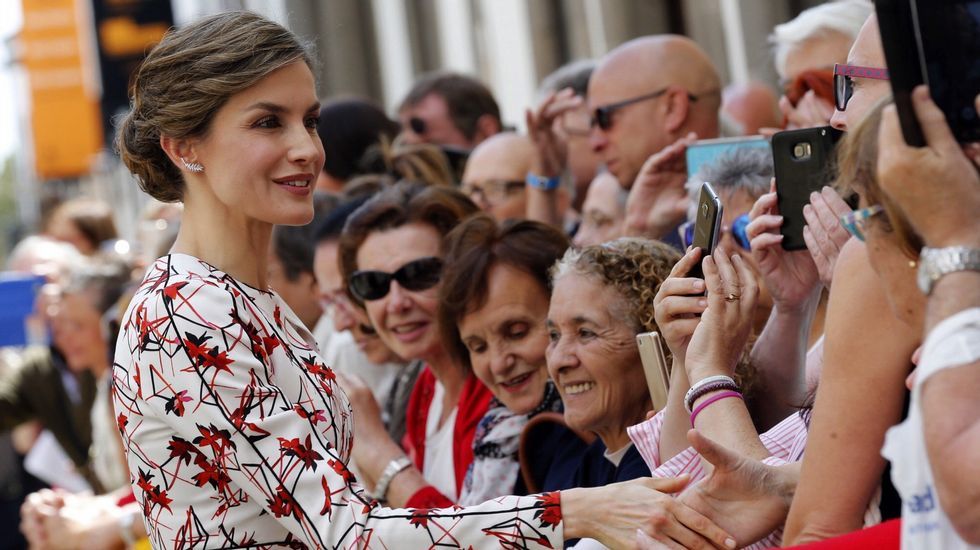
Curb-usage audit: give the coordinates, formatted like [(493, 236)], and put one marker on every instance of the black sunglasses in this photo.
[(417, 125), (602, 116), (844, 81), (418, 274)]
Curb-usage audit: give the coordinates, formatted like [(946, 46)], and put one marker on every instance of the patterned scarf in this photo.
[(495, 466)]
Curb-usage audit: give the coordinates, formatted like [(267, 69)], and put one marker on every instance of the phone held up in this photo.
[(654, 367), (802, 163), (707, 224), (933, 42)]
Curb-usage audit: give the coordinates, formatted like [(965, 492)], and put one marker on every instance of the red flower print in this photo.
[(283, 504), (550, 512), (420, 517), (341, 470), (304, 452), (214, 438), (183, 450)]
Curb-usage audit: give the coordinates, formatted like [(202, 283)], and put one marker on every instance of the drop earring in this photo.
[(192, 166)]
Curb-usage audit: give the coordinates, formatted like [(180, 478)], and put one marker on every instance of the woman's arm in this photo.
[(866, 360)]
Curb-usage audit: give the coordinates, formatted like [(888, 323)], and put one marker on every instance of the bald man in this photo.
[(753, 105), (495, 172), (653, 91)]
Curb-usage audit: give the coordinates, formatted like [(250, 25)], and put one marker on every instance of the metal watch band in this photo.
[(936, 262), (391, 470)]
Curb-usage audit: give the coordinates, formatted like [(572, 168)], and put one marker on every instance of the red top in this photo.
[(473, 403)]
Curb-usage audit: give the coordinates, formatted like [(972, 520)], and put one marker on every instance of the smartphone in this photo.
[(707, 224), (654, 367), (705, 151), (933, 42), (803, 162)]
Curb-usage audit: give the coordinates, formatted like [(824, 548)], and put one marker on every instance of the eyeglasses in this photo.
[(856, 223), (417, 125), (844, 81), (493, 191), (602, 116), (737, 230), (420, 274)]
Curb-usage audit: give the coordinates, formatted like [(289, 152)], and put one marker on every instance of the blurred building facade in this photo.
[(376, 48)]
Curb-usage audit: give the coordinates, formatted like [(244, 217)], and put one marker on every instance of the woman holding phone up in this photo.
[(235, 431)]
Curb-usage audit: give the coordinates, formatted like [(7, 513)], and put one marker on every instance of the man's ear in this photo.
[(678, 109), (486, 126), (178, 150)]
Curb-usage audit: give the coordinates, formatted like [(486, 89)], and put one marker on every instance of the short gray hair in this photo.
[(843, 16), (574, 75), (747, 169)]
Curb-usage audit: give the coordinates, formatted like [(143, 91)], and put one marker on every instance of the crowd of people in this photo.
[(338, 329)]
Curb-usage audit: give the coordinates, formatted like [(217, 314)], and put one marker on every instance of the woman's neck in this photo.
[(233, 244)]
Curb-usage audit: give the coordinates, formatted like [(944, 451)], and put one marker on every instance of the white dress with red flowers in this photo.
[(237, 435)]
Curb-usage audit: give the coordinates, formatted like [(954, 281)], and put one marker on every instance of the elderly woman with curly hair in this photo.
[(602, 298)]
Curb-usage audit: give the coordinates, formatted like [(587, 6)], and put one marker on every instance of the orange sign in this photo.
[(58, 55)]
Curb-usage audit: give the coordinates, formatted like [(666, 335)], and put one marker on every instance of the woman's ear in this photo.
[(180, 152)]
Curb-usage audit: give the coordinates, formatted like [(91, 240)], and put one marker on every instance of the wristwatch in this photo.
[(541, 182), (936, 262)]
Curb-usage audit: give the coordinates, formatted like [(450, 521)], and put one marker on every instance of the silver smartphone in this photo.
[(654, 367)]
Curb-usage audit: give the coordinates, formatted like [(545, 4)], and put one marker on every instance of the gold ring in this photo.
[(732, 297)]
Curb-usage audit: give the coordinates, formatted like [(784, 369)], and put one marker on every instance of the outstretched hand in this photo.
[(823, 232), (745, 497)]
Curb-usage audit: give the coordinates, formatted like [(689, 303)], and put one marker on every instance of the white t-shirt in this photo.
[(438, 467), (954, 342)]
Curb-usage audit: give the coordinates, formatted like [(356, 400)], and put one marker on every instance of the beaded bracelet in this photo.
[(712, 399), (708, 385)]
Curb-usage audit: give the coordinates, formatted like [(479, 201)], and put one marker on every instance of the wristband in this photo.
[(712, 399), (541, 182), (391, 470), (707, 385)]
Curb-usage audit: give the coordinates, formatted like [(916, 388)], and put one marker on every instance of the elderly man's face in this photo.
[(428, 121), (593, 359)]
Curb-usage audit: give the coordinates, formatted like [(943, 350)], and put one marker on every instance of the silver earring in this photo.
[(192, 166)]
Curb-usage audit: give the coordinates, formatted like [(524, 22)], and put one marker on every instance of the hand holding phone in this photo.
[(802, 163), (707, 224)]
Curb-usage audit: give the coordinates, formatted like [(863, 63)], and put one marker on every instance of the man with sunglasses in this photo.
[(645, 95), (449, 109)]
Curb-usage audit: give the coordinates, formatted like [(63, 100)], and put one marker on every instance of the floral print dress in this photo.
[(237, 434)]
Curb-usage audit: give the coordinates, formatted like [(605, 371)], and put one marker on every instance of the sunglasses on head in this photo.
[(738, 231), (418, 274), (602, 116), (844, 76)]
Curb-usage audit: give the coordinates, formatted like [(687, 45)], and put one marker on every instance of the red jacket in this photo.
[(473, 403)]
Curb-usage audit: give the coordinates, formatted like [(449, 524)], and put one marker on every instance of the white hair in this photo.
[(843, 16)]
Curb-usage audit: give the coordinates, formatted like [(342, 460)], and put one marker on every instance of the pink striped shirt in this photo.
[(785, 441)]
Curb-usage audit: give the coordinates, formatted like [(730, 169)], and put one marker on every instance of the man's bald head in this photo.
[(753, 104), (493, 170), (641, 67)]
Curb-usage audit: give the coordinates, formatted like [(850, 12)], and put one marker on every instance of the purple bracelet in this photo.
[(711, 400), (700, 392)]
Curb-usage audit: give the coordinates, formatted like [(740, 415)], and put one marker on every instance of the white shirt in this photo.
[(952, 343), (438, 467)]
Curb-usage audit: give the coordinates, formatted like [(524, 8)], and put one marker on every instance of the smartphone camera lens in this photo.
[(801, 151)]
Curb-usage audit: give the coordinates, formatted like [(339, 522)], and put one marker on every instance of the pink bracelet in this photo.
[(712, 399)]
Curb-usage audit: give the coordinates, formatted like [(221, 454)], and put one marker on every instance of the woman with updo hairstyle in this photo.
[(492, 306), (236, 432)]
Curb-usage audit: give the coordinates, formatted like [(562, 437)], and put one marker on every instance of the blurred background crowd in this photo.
[(505, 205)]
